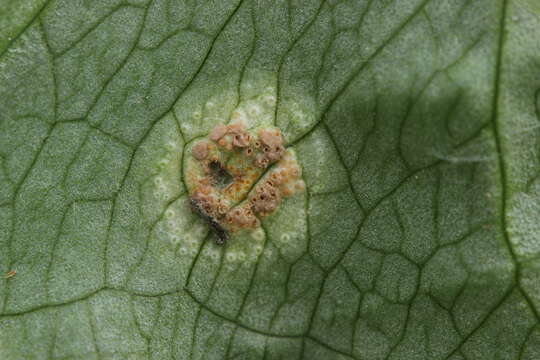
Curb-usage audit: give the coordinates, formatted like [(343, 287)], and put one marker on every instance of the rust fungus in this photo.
[(218, 132), (10, 274), (200, 150), (240, 176)]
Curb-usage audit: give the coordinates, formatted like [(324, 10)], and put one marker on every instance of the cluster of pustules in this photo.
[(258, 151), (264, 150), (282, 181)]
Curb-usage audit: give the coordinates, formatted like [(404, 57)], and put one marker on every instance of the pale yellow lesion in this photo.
[(203, 116)]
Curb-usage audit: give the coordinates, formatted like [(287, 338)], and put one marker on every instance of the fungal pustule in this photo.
[(238, 176), (218, 132), (200, 150)]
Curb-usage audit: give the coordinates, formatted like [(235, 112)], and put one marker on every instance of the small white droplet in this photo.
[(171, 145), (186, 127), (197, 115), (163, 163), (175, 239), (176, 227), (258, 249), (285, 237), (214, 255), (258, 234), (254, 110), (238, 116), (269, 100), (200, 230)]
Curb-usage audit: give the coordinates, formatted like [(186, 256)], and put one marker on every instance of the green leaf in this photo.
[(416, 124)]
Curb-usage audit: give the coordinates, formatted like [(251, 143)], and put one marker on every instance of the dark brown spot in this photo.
[(221, 233), (220, 177)]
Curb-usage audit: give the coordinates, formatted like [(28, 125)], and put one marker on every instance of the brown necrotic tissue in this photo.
[(238, 176)]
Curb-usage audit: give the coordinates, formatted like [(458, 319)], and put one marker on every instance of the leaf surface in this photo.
[(416, 124)]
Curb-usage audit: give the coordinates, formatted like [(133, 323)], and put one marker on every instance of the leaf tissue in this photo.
[(270, 179)]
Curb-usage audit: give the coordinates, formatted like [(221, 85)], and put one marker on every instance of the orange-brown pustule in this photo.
[(237, 176)]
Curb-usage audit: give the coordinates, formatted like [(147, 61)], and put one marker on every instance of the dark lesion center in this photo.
[(221, 234), (219, 176)]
